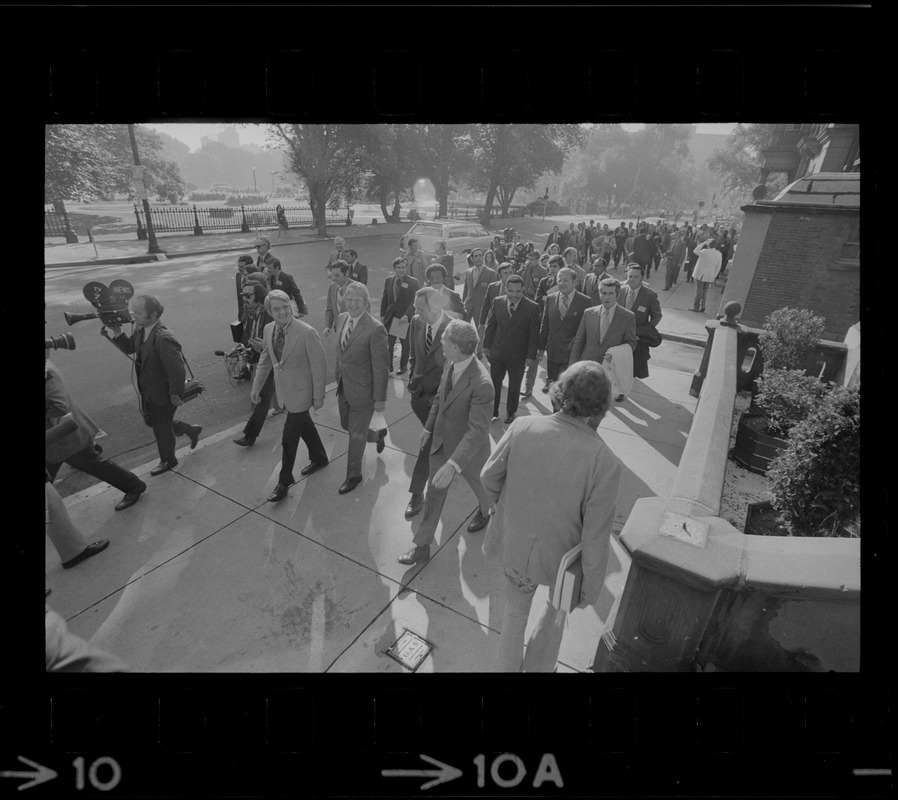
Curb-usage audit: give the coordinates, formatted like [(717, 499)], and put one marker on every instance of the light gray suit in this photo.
[(588, 345)]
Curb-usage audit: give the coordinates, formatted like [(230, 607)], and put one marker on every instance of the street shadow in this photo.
[(653, 418)]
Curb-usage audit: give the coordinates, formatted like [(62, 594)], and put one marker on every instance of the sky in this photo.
[(191, 132)]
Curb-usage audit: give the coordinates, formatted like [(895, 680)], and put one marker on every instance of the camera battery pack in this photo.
[(237, 331)]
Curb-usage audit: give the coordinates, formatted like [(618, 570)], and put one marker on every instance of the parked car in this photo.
[(460, 237)]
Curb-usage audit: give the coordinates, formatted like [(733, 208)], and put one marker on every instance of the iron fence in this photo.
[(171, 219), (466, 211), (54, 224)]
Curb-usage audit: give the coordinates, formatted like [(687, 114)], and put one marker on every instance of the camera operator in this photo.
[(255, 318), (78, 449), (160, 377)]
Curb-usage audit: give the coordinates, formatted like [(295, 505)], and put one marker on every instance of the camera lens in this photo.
[(64, 341)]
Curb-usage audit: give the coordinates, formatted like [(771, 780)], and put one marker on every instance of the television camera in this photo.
[(241, 358), (110, 302), (64, 341)]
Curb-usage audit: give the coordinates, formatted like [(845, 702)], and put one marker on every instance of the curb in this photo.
[(683, 338), (168, 256)]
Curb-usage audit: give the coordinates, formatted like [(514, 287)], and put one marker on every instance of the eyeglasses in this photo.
[(249, 296)]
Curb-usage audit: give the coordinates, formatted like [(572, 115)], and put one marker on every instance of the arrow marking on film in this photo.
[(42, 775), (444, 774)]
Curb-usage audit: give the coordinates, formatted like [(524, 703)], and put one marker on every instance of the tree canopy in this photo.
[(739, 162)]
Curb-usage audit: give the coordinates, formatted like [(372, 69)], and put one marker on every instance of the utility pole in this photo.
[(545, 203), (140, 188), (255, 188)]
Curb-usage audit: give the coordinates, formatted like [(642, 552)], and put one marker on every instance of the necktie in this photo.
[(138, 346), (449, 380), (603, 325), (631, 298), (279, 338), (510, 310), (395, 289), (429, 338), (347, 332), (564, 304)]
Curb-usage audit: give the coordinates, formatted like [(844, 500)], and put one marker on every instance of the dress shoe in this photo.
[(349, 484), (479, 522), (417, 555), (313, 467), (619, 399), (414, 506), (401, 371), (382, 434), (509, 419), (91, 550), (131, 498), (164, 466), (526, 393), (245, 441), (391, 369), (194, 435), (279, 493)]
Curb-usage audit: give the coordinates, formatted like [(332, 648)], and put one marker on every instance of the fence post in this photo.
[(197, 230), (141, 231), (244, 228), (348, 216)]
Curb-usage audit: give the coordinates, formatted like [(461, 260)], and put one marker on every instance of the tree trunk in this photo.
[(488, 205), (318, 204), (384, 197)]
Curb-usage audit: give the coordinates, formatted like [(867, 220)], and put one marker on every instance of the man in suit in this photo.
[(264, 254), (494, 290), (548, 285), (255, 320), (476, 280), (339, 251), (592, 280), (560, 321), (160, 377), (293, 354), (417, 262), (242, 263), (451, 303), (427, 362), (570, 238), (77, 448), (643, 302), (338, 272), (362, 372), (447, 260), (357, 271), (541, 514), (281, 280), (509, 342), (603, 327), (556, 237), (620, 239), (398, 303), (457, 433)]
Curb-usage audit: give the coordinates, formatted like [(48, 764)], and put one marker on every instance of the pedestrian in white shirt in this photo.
[(705, 272)]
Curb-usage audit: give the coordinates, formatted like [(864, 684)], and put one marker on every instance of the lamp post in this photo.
[(255, 188), (141, 190), (272, 181)]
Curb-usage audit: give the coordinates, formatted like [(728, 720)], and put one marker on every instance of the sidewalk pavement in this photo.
[(125, 248), (203, 574)]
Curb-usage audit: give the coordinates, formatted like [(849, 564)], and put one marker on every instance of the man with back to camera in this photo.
[(510, 341), (707, 266), (361, 373), (603, 327), (398, 303), (161, 376), (255, 319), (457, 434), (541, 514), (427, 361), (292, 353)]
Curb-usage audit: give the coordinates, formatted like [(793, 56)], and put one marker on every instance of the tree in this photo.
[(441, 153), (739, 162), (390, 162), (510, 157), (328, 158)]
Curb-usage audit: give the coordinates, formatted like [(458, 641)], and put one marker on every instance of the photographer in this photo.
[(255, 318), (77, 449), (160, 377)]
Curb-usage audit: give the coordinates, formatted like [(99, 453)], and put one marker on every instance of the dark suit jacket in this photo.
[(473, 297), (238, 279), (426, 366), (404, 305), (247, 321), (587, 344), (591, 286), (554, 238), (647, 309), (492, 292), (512, 340), (364, 366), (542, 291), (358, 272), (57, 404), (556, 334), (158, 362), (285, 283)]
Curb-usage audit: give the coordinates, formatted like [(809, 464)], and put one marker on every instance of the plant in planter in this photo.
[(815, 481), (786, 397), (790, 335)]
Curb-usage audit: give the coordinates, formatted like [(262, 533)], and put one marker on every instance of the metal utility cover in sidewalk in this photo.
[(410, 650)]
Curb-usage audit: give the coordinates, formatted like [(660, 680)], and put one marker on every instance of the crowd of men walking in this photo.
[(513, 307)]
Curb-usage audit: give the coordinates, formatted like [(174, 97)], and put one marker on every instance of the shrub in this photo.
[(202, 196), (789, 336), (815, 482), (246, 199), (786, 397)]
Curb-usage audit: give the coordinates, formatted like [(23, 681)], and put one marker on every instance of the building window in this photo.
[(851, 250)]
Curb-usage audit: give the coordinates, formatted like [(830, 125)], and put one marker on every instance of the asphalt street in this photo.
[(199, 299)]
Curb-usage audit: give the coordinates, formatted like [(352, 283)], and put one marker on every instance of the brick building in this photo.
[(801, 249)]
